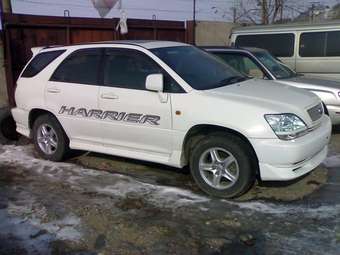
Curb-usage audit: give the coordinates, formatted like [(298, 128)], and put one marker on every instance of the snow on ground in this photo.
[(164, 196), (26, 217), (320, 212), (332, 161), (119, 186)]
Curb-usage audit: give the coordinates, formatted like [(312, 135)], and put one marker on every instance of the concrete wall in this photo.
[(213, 33), (3, 87), (6, 5)]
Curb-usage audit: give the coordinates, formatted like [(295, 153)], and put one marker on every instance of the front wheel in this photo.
[(49, 138), (222, 165)]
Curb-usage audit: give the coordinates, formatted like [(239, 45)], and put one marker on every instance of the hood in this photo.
[(268, 94), (303, 80)]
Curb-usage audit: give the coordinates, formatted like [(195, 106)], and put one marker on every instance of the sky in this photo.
[(145, 9), (211, 10)]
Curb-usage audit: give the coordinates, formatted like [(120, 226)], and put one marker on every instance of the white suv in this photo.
[(170, 103)]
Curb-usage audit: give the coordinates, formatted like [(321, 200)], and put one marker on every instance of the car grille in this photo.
[(315, 112)]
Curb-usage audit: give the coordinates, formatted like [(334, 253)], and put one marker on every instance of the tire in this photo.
[(54, 137), (8, 126), (236, 173)]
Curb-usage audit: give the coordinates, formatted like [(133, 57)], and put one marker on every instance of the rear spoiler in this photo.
[(36, 50)]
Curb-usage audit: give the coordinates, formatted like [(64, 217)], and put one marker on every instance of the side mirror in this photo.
[(154, 82)]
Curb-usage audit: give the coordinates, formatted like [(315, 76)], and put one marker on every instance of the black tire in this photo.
[(239, 149), (62, 148), (8, 126)]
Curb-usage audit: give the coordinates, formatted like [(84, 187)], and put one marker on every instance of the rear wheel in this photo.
[(49, 138), (221, 165)]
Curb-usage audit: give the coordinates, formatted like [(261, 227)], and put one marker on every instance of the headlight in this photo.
[(286, 126)]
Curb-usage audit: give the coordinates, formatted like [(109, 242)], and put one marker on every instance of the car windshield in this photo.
[(279, 70), (198, 68)]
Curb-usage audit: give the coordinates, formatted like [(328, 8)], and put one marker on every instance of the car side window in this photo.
[(39, 62), (126, 68), (242, 64), (271, 42), (82, 67), (312, 44)]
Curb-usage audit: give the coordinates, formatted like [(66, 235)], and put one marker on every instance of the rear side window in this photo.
[(81, 67), (312, 44), (280, 45), (39, 62), (320, 44), (333, 44)]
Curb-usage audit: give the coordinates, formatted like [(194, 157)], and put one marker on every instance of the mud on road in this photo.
[(96, 204)]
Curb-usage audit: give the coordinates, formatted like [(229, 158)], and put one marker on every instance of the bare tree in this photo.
[(263, 11)]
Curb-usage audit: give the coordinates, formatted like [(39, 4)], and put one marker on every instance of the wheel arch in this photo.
[(197, 132), (35, 113)]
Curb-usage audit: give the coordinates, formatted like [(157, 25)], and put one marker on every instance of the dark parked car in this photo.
[(259, 63)]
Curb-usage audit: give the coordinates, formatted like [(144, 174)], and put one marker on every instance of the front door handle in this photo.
[(53, 90), (109, 96)]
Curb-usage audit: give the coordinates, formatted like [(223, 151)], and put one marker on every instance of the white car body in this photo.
[(239, 107)]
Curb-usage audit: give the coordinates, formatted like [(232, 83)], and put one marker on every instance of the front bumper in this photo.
[(286, 160)]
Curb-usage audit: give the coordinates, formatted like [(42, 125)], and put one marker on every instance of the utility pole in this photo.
[(234, 11), (313, 10)]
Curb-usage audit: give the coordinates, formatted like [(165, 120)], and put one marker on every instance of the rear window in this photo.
[(39, 62), (280, 45), (320, 44)]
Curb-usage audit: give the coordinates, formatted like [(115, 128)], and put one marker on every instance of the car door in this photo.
[(127, 104), (72, 92)]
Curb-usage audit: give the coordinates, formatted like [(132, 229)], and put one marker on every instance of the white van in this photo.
[(311, 49)]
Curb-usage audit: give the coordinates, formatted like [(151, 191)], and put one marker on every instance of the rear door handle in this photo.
[(109, 96), (53, 90)]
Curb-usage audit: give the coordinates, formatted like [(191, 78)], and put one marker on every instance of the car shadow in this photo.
[(336, 129)]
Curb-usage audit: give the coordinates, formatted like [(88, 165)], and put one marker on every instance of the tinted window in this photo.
[(40, 61), (333, 43), (81, 67), (279, 70), (125, 68), (198, 68), (241, 63), (312, 44), (280, 45)]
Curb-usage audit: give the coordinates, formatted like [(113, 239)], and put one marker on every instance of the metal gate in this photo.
[(22, 32)]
